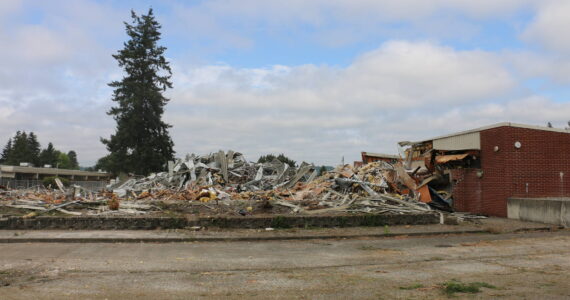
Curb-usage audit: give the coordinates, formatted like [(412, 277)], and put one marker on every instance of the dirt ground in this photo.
[(513, 266)]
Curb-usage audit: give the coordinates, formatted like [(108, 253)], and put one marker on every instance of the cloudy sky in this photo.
[(317, 80)]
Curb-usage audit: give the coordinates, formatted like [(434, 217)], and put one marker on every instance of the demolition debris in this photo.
[(225, 183)]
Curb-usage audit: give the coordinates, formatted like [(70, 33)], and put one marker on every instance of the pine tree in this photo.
[(49, 156), (34, 149), (6, 152), (73, 160), (21, 149), (141, 143)]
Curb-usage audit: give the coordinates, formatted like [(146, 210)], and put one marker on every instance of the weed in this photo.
[(386, 229), (455, 286), (412, 287)]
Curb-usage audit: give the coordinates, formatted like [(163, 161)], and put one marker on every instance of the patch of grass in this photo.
[(435, 258), (280, 222), (412, 287), (455, 286)]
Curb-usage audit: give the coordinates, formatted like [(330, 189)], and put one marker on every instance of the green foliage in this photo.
[(6, 152), (141, 143), (281, 157), (25, 147), (49, 156), (322, 170), (280, 222), (22, 147), (51, 181), (21, 151), (454, 286), (63, 161), (108, 163), (34, 149), (74, 164)]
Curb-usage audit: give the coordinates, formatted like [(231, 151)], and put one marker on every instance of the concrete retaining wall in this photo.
[(282, 221), (545, 210)]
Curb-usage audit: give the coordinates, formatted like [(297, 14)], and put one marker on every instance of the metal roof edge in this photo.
[(502, 124)]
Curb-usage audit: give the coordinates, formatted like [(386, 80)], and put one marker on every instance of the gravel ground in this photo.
[(519, 266)]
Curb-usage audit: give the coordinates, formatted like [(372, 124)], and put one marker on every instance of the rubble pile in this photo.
[(226, 183), (74, 201)]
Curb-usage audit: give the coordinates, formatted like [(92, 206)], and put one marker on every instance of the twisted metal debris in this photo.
[(226, 183)]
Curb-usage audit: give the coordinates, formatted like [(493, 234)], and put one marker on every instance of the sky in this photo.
[(318, 80)]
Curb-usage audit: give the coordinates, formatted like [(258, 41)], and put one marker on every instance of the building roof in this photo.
[(33, 170), (380, 155), (503, 124)]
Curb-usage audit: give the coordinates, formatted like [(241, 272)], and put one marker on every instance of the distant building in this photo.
[(23, 173), (368, 157)]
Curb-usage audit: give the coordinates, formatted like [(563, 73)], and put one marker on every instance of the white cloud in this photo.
[(551, 26), (321, 113), (8, 7), (334, 23), (398, 74), (552, 69)]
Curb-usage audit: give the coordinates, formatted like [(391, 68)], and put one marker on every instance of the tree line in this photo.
[(25, 148)]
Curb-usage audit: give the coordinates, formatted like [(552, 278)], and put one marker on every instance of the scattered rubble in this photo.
[(226, 183)]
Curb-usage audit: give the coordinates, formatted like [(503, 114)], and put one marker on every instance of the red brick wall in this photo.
[(467, 190), (509, 171)]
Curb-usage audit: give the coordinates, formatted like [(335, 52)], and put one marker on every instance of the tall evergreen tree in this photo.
[(34, 148), (73, 160), (49, 156), (6, 152), (141, 143), (21, 149)]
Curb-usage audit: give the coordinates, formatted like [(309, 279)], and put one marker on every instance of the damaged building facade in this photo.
[(481, 169), (368, 157)]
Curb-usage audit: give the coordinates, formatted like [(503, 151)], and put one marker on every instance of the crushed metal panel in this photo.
[(468, 141), (223, 161)]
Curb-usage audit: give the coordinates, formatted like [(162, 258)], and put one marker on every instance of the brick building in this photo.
[(504, 160)]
